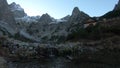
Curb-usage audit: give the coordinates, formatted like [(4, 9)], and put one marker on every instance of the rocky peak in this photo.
[(45, 15), (78, 16), (17, 10), (75, 11), (117, 6), (45, 18), (77, 19)]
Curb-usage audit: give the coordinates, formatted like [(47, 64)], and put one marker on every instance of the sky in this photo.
[(61, 8)]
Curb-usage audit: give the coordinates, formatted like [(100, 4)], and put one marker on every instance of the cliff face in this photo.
[(5, 13), (76, 20), (7, 21), (18, 12), (78, 16)]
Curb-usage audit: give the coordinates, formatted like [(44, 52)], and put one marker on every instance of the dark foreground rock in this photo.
[(3, 63)]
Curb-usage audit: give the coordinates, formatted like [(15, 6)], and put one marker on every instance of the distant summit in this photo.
[(78, 16), (75, 11), (45, 18), (77, 19)]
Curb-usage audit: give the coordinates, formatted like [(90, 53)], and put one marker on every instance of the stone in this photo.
[(3, 63)]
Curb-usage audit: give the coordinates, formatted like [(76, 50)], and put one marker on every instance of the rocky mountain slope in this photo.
[(7, 21), (44, 28), (56, 31), (77, 19), (17, 10), (114, 13)]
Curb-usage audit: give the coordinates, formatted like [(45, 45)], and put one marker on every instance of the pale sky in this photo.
[(61, 8)]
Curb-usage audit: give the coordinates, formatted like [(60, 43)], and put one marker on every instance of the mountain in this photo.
[(8, 25), (78, 16), (46, 28), (7, 21), (111, 14), (117, 6), (20, 15), (17, 10), (76, 20), (114, 13), (50, 29), (45, 19), (66, 18)]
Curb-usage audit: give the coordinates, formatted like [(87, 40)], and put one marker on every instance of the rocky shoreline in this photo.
[(104, 51)]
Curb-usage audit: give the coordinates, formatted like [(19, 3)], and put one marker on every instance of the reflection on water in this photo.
[(57, 63)]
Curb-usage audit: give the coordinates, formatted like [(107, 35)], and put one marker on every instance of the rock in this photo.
[(45, 19), (18, 12), (69, 57), (77, 19), (7, 21), (78, 16), (66, 17), (3, 63), (5, 13)]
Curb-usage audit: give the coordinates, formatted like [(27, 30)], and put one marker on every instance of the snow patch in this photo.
[(56, 21), (28, 19)]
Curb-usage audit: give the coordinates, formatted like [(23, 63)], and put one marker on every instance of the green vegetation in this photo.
[(95, 32), (91, 32)]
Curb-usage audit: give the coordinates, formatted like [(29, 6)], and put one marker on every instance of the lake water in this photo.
[(57, 63)]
